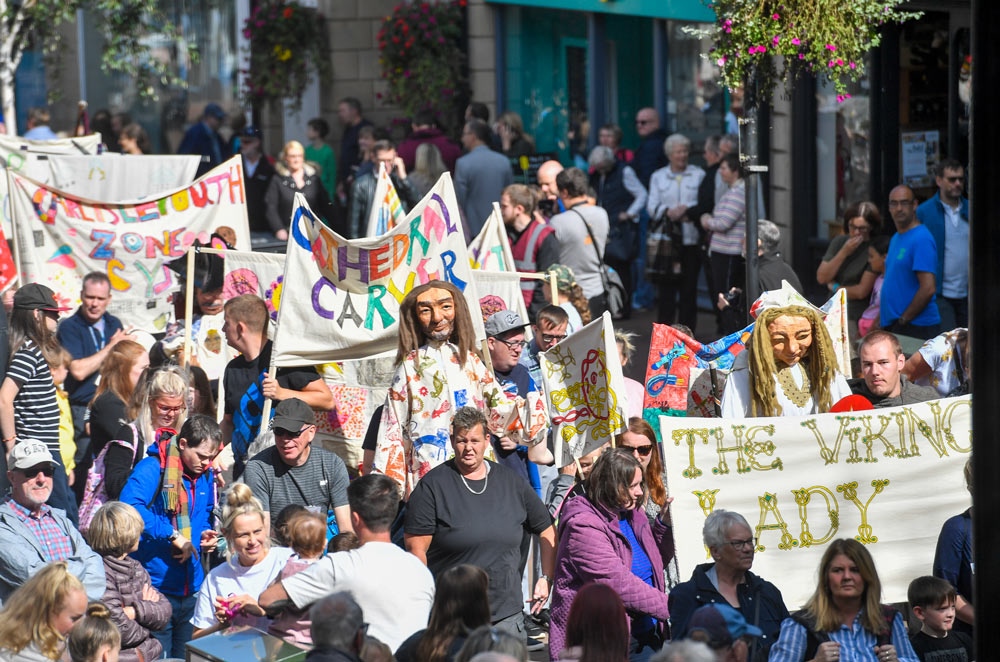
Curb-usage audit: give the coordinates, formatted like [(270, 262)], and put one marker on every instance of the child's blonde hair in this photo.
[(57, 356), (305, 532)]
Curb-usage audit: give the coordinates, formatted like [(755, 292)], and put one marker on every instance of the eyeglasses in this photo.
[(551, 337), (641, 450), (893, 204), (47, 469), (643, 122), (169, 410), (514, 345), (282, 432), (955, 180), (740, 544)]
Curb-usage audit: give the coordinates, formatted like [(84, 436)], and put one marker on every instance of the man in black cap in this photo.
[(257, 173), (293, 472), (203, 139)]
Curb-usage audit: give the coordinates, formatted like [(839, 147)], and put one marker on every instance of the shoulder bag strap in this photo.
[(600, 258)]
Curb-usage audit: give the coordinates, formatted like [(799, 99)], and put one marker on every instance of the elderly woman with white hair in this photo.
[(728, 580), (672, 191)]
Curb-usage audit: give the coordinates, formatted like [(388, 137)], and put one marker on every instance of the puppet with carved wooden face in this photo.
[(790, 370)]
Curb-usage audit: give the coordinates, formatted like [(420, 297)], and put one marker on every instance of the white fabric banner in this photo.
[(887, 477), (120, 177), (585, 388), (348, 291), (501, 290), (254, 273), (387, 210), (61, 238), (490, 250)]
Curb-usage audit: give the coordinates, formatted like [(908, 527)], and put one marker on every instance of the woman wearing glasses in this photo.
[(160, 402), (845, 263), (729, 581), (604, 536)]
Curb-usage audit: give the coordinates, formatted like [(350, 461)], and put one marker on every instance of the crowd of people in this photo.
[(138, 520)]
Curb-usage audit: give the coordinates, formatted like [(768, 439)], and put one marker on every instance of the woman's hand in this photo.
[(209, 539), (851, 245), (540, 595), (129, 612), (886, 653), (829, 651), (281, 235)]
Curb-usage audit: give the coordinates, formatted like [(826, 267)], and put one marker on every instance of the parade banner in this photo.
[(118, 176), (679, 372), (262, 274), (28, 157), (888, 478), (585, 389), (387, 210), (348, 291), (490, 250), (501, 291), (61, 238)]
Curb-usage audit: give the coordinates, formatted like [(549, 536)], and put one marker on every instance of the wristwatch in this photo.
[(174, 536)]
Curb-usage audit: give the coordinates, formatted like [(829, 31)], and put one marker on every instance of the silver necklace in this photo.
[(485, 484)]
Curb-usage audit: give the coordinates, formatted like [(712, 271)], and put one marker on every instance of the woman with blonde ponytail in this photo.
[(229, 594)]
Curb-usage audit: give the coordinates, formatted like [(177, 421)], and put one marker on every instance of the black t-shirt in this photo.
[(956, 647), (480, 529), (240, 374), (107, 416)]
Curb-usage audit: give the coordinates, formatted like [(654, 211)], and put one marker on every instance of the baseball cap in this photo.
[(250, 131), (35, 296), (565, 280), (719, 626), (502, 322), (292, 415), (29, 453), (215, 110)]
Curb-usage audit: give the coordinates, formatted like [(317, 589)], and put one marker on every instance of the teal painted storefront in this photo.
[(551, 56)]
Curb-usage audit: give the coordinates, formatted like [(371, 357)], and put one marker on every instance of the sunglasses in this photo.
[(641, 450), (289, 434), (47, 469)]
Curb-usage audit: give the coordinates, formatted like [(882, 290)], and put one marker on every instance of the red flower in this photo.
[(288, 12)]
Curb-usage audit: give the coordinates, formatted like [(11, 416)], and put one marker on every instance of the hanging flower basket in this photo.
[(423, 60), (774, 40), (287, 47)]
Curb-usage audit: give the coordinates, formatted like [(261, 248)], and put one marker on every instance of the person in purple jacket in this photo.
[(604, 536)]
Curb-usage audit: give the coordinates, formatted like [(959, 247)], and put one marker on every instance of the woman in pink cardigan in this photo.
[(604, 536)]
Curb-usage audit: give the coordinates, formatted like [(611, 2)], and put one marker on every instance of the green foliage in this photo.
[(420, 50), (287, 45), (126, 28), (822, 37)]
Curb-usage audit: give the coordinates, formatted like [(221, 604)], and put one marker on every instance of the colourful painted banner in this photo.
[(678, 372), (349, 291), (387, 209), (61, 238), (585, 388), (490, 250), (262, 274), (888, 478)]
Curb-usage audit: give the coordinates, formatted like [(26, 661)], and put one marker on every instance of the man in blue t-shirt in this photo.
[(908, 305), (88, 335)]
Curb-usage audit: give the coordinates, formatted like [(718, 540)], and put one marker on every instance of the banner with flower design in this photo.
[(585, 389)]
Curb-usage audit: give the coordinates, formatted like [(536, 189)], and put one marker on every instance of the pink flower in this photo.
[(802, 56), (796, 41), (775, 17), (721, 61), (831, 47), (775, 40), (853, 65), (840, 62)]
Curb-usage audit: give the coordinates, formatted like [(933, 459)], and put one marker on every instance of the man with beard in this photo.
[(533, 243), (437, 373)]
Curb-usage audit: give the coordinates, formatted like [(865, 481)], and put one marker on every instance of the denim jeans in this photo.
[(178, 632)]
